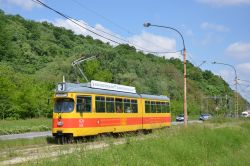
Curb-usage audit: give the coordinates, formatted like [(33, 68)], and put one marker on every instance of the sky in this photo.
[(213, 30)]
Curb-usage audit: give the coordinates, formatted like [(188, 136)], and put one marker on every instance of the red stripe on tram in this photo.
[(102, 122)]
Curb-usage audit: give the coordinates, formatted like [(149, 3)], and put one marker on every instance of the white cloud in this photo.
[(189, 33), (70, 25), (214, 27), (155, 43), (244, 85), (211, 38), (25, 4), (228, 75), (225, 2), (145, 41), (244, 69), (239, 50), (99, 29)]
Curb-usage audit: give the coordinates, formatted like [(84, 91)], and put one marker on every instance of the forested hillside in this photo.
[(34, 56)]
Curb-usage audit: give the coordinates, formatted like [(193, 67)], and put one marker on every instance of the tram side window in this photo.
[(158, 107), (127, 106), (83, 104), (100, 104), (110, 104), (134, 106), (153, 106), (119, 105), (147, 107), (168, 107), (164, 107)]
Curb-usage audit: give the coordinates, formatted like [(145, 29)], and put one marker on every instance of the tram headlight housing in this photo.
[(60, 123)]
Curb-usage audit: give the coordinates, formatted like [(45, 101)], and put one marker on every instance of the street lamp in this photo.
[(244, 90), (236, 91), (185, 70)]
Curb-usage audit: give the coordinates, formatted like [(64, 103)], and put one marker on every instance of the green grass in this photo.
[(194, 145), (27, 125), (13, 148), (19, 143)]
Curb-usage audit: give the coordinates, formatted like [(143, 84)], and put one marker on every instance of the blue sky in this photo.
[(214, 30)]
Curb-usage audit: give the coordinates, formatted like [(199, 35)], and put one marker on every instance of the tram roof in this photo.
[(156, 97), (86, 88)]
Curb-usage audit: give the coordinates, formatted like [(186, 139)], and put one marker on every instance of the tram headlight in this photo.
[(60, 123)]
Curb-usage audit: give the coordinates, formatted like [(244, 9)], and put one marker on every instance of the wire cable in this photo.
[(101, 16), (72, 20), (119, 26), (78, 23)]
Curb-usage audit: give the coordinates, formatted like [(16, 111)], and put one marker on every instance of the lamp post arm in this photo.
[(184, 47), (236, 91), (229, 66)]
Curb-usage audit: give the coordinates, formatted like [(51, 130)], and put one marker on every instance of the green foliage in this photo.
[(21, 95), (27, 125), (35, 56)]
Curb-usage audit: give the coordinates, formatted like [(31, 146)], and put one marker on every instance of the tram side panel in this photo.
[(126, 116), (156, 114)]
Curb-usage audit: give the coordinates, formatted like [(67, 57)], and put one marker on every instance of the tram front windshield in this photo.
[(64, 105)]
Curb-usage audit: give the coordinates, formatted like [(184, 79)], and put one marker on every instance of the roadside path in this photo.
[(31, 135)]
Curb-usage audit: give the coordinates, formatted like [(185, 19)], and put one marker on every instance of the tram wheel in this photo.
[(60, 140)]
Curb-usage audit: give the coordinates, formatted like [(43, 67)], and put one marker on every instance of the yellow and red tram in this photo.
[(99, 107)]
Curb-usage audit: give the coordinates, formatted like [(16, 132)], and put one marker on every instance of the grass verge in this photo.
[(19, 143), (194, 145), (22, 126)]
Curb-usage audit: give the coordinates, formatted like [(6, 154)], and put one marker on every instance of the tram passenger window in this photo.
[(119, 105), (168, 107), (158, 104), (110, 104), (163, 107), (100, 104), (147, 107), (83, 104), (134, 106), (127, 106), (153, 106), (88, 104)]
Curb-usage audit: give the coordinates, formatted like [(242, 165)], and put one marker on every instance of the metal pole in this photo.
[(236, 88), (185, 70), (185, 88), (237, 97)]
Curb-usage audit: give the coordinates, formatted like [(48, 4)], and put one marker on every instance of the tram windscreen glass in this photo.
[(64, 105)]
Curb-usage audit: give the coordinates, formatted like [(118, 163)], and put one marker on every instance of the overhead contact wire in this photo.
[(76, 22)]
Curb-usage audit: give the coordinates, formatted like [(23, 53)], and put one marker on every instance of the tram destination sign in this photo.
[(110, 86)]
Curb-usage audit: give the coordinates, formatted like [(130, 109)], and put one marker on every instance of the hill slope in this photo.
[(34, 56)]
